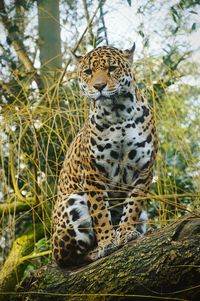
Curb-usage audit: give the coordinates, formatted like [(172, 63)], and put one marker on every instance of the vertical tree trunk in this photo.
[(49, 40)]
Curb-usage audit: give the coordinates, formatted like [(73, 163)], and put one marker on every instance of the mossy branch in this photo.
[(13, 268), (162, 265)]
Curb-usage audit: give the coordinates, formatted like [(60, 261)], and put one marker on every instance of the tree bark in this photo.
[(165, 264), (49, 41)]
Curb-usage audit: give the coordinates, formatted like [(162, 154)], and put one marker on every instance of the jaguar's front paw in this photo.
[(102, 251), (122, 237)]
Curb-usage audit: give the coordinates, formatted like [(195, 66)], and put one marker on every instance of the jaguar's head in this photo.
[(105, 72)]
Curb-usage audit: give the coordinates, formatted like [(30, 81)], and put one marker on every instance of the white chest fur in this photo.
[(121, 144)]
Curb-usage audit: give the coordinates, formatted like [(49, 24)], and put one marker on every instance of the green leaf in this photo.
[(8, 40), (193, 12), (194, 26), (141, 33), (13, 28)]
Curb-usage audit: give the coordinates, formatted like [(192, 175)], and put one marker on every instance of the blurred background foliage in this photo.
[(41, 108)]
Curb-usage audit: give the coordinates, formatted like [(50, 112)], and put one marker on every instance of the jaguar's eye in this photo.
[(112, 68), (88, 71)]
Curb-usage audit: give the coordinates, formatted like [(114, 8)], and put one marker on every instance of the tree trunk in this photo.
[(163, 265), (49, 40)]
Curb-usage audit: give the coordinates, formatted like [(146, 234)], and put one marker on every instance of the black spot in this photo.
[(71, 232), (129, 143), (106, 112), (129, 110), (92, 193), (81, 193), (82, 244), (120, 107), (95, 219), (112, 129), (129, 95), (71, 201), (75, 215), (93, 141), (99, 186), (92, 120), (146, 165), (137, 210), (141, 181), (117, 171), (128, 125), (105, 126), (124, 176), (114, 154), (66, 238), (108, 145), (61, 244), (148, 152), (133, 125), (149, 138), (95, 206), (139, 120), (99, 215), (145, 111), (132, 154), (99, 128), (140, 144), (100, 148)]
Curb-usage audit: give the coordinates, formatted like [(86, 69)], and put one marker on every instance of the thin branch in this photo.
[(79, 41), (87, 16), (18, 45), (103, 23), (16, 206)]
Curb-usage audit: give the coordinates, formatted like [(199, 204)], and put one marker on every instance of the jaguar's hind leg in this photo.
[(73, 234)]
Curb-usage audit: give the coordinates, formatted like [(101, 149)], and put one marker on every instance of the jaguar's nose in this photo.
[(100, 86)]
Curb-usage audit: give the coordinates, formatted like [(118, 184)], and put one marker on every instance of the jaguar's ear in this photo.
[(128, 53), (76, 58)]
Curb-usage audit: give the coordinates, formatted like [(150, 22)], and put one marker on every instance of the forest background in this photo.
[(42, 109)]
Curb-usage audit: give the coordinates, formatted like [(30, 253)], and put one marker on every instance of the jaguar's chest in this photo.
[(121, 151)]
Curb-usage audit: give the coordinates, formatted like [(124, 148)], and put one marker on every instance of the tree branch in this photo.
[(18, 45), (16, 206), (164, 264)]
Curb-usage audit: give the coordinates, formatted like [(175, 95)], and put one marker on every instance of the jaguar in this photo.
[(108, 167)]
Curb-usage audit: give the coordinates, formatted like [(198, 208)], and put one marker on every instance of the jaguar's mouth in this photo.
[(105, 95)]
